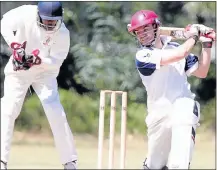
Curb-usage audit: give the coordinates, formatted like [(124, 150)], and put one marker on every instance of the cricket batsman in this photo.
[(40, 43), (173, 113)]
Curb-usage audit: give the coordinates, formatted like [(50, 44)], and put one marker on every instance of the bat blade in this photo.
[(179, 33)]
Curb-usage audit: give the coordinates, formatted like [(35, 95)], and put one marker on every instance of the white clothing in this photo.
[(173, 115), (164, 84), (23, 20), (53, 50), (171, 138)]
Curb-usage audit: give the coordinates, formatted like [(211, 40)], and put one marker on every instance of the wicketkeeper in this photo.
[(40, 42)]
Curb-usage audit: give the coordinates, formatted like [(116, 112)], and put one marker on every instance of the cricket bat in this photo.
[(179, 33)]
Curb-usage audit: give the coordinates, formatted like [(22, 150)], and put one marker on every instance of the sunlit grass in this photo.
[(33, 151)]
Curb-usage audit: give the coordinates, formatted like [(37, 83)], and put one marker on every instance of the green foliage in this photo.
[(201, 12), (208, 116)]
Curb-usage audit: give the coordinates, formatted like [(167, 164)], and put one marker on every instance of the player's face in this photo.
[(145, 34), (50, 24)]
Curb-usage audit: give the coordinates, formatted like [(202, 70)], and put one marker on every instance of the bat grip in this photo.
[(211, 35)]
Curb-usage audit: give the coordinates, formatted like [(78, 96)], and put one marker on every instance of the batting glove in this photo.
[(206, 42), (192, 32), (203, 29), (206, 31)]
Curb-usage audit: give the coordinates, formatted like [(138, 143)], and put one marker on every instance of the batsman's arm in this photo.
[(204, 63), (147, 61), (169, 56)]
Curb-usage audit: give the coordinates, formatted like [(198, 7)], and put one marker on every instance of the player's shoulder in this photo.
[(23, 10), (26, 12), (63, 31), (28, 7), (144, 52)]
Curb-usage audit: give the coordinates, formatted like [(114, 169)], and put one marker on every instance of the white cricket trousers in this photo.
[(171, 137), (44, 83)]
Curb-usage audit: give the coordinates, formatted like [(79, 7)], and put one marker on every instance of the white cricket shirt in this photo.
[(53, 47), (164, 84)]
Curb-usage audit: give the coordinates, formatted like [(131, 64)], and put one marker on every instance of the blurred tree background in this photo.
[(102, 57)]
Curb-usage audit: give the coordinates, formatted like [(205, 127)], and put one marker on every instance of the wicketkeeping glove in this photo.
[(21, 60)]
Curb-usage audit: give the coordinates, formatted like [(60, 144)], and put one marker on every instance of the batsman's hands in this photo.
[(207, 35), (21, 60), (205, 39), (205, 31), (206, 42), (191, 31)]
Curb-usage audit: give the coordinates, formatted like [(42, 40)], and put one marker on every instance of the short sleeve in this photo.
[(147, 61), (191, 64), (59, 50), (61, 47)]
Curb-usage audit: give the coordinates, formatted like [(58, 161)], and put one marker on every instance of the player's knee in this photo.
[(49, 97), (52, 107)]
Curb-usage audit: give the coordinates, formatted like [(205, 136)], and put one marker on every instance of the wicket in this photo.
[(112, 128)]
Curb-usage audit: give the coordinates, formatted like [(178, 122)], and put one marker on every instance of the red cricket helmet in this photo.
[(142, 18)]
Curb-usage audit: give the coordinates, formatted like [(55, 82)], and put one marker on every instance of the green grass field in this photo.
[(34, 151)]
